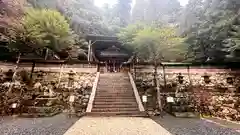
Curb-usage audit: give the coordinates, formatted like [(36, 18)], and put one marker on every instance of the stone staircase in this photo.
[(115, 96)]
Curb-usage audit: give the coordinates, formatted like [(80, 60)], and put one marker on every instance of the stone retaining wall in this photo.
[(47, 82), (214, 91)]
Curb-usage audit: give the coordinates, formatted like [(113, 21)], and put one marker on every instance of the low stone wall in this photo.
[(48, 86), (211, 91)]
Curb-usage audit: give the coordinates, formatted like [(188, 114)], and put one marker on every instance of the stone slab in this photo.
[(116, 126)]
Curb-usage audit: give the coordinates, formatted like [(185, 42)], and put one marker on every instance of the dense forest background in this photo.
[(201, 31)]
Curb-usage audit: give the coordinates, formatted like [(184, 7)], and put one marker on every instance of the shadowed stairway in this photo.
[(115, 96)]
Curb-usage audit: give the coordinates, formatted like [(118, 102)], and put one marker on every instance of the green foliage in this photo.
[(111, 19), (123, 11), (164, 12), (153, 44), (212, 30), (48, 28), (127, 35), (85, 17)]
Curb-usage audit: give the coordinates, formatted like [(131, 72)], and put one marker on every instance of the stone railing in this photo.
[(94, 88), (137, 96)]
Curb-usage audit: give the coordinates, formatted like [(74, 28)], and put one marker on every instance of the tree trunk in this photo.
[(156, 85), (155, 74), (15, 73), (33, 66), (60, 76), (31, 75), (89, 50), (46, 54), (159, 98), (135, 72), (164, 76), (189, 77)]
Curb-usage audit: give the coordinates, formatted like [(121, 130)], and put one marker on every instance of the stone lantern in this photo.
[(9, 75), (180, 78), (40, 76), (206, 78), (230, 80), (71, 75)]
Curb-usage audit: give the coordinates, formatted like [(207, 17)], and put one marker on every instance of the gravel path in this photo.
[(56, 125), (188, 126), (60, 124), (116, 126)]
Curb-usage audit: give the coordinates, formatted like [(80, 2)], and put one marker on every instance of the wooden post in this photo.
[(135, 72), (33, 66), (46, 54), (155, 74), (189, 77), (60, 75), (15, 72), (89, 50), (164, 76), (159, 97)]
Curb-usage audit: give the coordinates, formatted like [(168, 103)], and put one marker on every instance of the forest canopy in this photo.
[(202, 30)]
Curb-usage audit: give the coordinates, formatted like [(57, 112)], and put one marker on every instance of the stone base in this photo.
[(32, 111), (186, 115), (37, 115)]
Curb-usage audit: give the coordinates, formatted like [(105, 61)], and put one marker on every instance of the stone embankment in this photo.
[(46, 94), (210, 93)]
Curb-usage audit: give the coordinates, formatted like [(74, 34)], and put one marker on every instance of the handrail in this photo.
[(90, 103), (139, 102)]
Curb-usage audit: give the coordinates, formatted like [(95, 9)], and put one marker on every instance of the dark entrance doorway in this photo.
[(113, 66), (110, 53)]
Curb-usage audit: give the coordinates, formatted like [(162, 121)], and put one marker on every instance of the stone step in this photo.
[(111, 79), (106, 91), (124, 87), (115, 106), (115, 109), (115, 95), (111, 82), (114, 103), (114, 100), (117, 114), (114, 92)]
